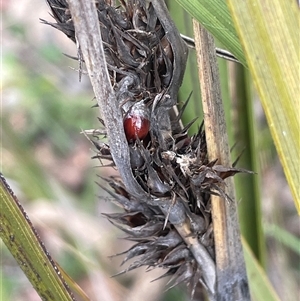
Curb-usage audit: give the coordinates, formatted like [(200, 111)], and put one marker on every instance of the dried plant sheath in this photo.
[(88, 34), (166, 176), (232, 283)]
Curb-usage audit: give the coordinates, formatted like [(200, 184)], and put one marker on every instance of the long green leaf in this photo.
[(215, 17), (269, 32), (19, 236), (245, 132)]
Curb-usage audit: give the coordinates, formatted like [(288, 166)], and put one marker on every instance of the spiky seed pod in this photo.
[(184, 173), (146, 59)]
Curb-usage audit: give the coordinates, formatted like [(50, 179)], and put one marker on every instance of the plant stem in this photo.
[(232, 283)]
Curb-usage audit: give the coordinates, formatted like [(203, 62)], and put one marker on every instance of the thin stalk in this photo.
[(232, 283)]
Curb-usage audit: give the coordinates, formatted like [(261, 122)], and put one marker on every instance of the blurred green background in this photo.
[(47, 162)]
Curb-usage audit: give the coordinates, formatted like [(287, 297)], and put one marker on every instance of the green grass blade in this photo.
[(286, 238), (19, 236), (260, 287), (215, 17), (269, 33), (247, 186)]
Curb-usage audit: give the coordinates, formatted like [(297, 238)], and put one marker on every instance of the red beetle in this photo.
[(137, 122)]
